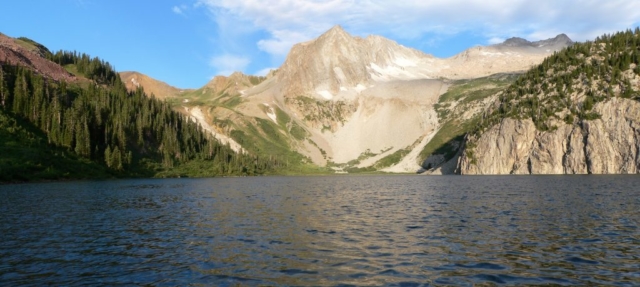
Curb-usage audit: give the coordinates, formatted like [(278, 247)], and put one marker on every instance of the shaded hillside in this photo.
[(99, 122), (577, 112)]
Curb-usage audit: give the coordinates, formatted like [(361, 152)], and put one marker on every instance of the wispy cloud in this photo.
[(176, 10), (281, 41), (227, 64)]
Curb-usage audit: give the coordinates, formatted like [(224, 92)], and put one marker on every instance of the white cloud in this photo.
[(180, 10), (226, 64), (281, 42)]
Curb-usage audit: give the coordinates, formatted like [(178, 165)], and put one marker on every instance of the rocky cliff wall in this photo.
[(609, 145)]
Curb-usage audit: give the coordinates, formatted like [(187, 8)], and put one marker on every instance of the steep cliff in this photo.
[(608, 145)]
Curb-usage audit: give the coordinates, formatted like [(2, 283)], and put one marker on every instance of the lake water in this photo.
[(323, 231)]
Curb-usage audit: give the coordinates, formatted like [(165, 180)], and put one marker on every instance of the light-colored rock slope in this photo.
[(608, 145), (198, 117)]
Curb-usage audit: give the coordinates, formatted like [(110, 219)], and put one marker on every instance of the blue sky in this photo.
[(187, 42)]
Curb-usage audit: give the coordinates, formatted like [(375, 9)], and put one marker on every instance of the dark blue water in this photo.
[(323, 231)]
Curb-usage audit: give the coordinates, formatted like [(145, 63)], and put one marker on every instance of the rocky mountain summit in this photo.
[(337, 62), (558, 42), (362, 100)]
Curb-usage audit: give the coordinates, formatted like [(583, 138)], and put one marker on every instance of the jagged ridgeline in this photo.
[(577, 112), (98, 124)]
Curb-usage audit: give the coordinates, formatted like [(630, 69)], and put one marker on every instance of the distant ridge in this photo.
[(561, 40)]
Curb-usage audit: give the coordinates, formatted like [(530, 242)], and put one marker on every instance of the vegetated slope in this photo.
[(577, 112), (216, 97), (99, 122), (216, 108), (264, 130)]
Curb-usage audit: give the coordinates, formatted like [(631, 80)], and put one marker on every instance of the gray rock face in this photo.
[(609, 145), (516, 41), (561, 39)]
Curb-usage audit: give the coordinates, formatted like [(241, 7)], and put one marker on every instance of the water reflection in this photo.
[(362, 230)]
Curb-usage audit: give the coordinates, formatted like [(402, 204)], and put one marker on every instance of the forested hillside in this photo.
[(565, 87), (577, 112), (99, 123)]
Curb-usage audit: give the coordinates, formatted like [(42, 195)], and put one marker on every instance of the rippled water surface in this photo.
[(342, 230)]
